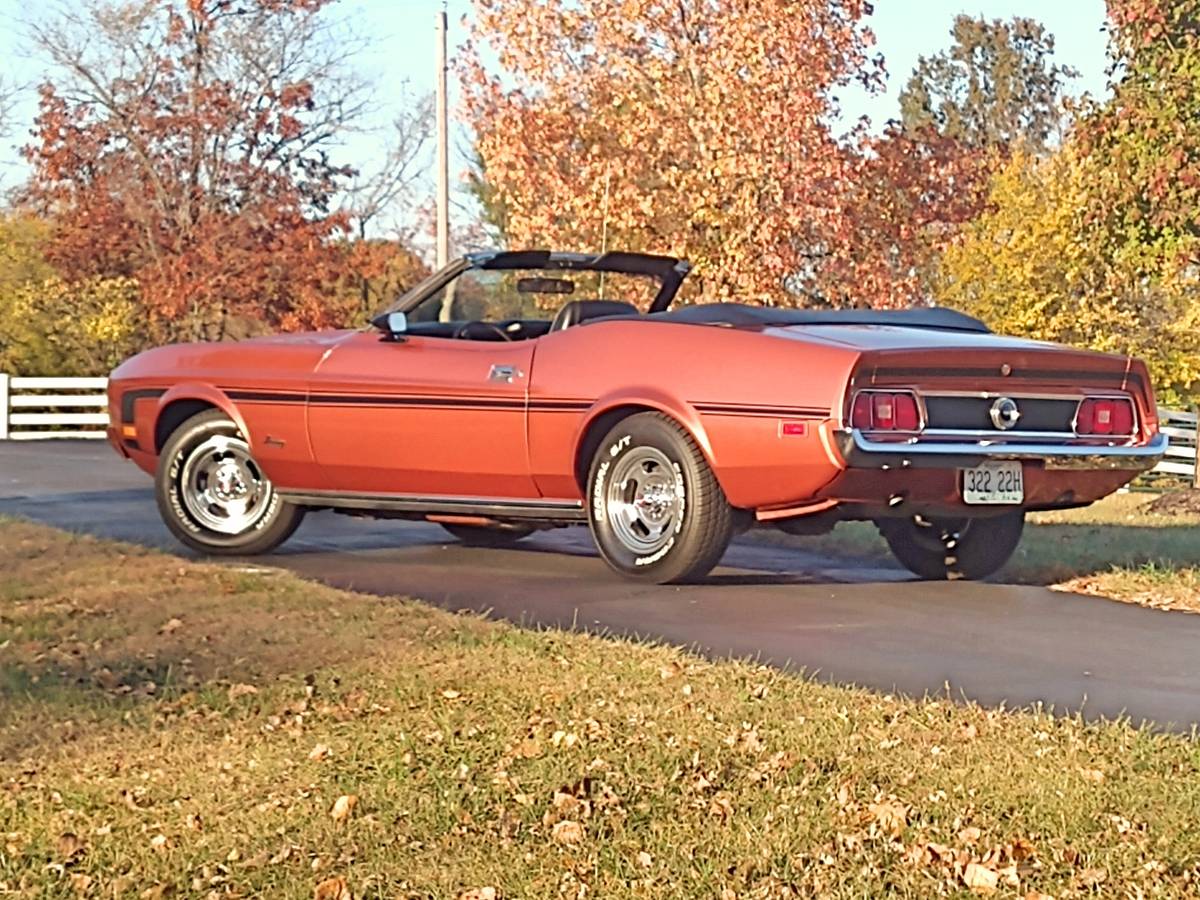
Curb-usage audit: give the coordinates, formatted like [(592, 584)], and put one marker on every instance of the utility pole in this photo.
[(443, 149)]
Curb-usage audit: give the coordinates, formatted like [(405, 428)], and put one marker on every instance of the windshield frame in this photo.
[(667, 270)]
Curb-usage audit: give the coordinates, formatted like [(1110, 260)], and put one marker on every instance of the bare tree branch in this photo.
[(393, 188), (8, 95)]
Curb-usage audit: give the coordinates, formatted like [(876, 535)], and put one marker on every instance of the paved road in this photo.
[(841, 619)]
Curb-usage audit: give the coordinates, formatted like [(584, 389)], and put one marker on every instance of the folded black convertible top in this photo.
[(739, 315)]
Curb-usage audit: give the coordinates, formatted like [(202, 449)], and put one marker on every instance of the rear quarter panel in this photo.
[(732, 389)]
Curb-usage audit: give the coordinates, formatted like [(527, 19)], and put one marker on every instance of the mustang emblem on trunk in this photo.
[(1005, 413)]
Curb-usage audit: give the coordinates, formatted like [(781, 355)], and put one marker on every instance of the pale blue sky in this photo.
[(402, 32)]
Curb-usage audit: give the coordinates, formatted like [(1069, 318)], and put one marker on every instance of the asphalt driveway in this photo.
[(842, 619)]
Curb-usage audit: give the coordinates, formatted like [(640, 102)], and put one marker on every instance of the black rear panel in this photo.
[(974, 413)]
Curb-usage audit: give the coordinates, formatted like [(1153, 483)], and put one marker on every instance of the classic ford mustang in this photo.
[(517, 391)]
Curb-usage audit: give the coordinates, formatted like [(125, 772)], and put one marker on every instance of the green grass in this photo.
[(199, 741)]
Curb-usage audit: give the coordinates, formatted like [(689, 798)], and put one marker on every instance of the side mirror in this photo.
[(394, 325)]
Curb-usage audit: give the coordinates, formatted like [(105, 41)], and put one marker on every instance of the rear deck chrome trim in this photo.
[(861, 452)]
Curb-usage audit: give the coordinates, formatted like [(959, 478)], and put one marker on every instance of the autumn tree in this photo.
[(691, 127), (1146, 139), (908, 196), (996, 86), (48, 325), (84, 327), (1035, 265), (188, 145)]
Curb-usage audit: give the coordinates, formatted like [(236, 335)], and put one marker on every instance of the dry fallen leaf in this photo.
[(451, 694), (483, 893), (332, 889), (159, 842), (1089, 878), (343, 806), (567, 832), (891, 816), (645, 860), (1038, 895), (939, 852), (530, 748), (241, 690), (1094, 775), (721, 806), (282, 855), (69, 846), (81, 883), (318, 752), (1023, 850), (970, 835), (980, 879), (171, 626)]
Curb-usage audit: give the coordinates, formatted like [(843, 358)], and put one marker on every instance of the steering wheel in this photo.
[(480, 331)]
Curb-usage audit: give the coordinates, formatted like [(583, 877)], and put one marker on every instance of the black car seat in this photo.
[(581, 310)]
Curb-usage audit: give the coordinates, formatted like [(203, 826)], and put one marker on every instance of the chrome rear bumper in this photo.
[(860, 451)]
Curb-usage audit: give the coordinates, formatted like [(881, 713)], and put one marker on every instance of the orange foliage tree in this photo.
[(910, 194), (186, 145), (688, 127)]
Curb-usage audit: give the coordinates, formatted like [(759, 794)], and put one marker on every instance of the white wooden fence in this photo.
[(34, 408), (1182, 428)]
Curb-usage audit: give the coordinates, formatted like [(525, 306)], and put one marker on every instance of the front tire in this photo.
[(214, 497), (656, 510), (942, 549)]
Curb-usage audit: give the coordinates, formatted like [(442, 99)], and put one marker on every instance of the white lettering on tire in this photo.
[(656, 555), (598, 491)]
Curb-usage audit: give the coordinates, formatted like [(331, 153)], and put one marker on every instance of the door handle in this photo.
[(505, 374)]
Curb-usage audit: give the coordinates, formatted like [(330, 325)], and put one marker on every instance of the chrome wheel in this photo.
[(221, 486), (645, 500)]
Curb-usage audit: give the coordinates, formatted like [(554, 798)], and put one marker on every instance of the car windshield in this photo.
[(495, 295)]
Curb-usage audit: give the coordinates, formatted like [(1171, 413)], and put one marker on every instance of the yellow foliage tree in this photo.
[(1036, 264), (55, 327), (22, 238)]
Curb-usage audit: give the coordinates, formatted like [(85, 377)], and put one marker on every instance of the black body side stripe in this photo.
[(129, 398), (500, 403), (266, 397), (732, 409)]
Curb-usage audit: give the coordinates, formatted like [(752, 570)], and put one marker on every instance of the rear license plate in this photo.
[(993, 483)]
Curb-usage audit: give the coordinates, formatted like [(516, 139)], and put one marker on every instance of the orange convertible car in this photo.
[(517, 391)]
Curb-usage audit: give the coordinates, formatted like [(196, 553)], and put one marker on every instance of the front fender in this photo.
[(204, 393)]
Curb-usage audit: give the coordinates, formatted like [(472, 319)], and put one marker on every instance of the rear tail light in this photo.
[(885, 411), (1105, 416)]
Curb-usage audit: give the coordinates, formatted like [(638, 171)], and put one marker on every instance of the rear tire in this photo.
[(214, 497), (656, 510), (488, 535), (942, 549)]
